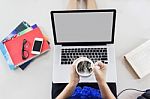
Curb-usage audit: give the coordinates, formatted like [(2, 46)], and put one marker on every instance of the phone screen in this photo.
[(37, 46)]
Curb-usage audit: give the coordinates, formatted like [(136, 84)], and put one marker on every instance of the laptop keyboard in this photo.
[(95, 54)]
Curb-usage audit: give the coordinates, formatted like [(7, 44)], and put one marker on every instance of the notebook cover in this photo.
[(139, 58), (23, 66), (14, 46), (22, 26), (6, 56)]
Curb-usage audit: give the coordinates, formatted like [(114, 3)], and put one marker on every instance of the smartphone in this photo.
[(37, 46)]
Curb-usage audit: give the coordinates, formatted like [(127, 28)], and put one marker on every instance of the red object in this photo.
[(14, 46)]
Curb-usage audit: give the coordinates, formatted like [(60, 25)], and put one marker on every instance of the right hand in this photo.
[(99, 70), (74, 77)]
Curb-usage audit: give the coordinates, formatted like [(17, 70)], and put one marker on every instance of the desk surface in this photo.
[(132, 29)]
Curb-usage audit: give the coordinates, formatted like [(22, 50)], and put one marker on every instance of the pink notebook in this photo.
[(14, 46)]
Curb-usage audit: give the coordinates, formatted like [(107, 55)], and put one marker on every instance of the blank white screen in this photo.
[(84, 27)]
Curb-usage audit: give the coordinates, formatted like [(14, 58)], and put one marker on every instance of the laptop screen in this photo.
[(83, 26)]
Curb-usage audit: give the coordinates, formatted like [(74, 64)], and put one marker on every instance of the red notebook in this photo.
[(14, 46)]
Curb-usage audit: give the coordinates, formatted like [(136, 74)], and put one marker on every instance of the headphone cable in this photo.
[(129, 89)]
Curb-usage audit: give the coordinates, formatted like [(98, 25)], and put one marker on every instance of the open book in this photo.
[(139, 59)]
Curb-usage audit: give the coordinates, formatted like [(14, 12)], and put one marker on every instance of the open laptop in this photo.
[(83, 33)]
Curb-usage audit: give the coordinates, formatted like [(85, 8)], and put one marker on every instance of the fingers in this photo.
[(100, 65), (74, 64), (73, 67), (97, 67)]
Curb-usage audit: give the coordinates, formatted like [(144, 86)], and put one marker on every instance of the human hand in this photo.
[(74, 77), (99, 70)]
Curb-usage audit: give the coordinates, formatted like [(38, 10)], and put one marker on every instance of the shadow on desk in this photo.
[(58, 87)]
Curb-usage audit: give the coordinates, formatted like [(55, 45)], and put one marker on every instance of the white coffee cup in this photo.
[(84, 66)]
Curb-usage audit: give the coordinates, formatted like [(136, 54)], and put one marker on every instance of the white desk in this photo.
[(132, 29)]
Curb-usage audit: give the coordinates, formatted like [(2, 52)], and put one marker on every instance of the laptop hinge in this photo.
[(83, 44)]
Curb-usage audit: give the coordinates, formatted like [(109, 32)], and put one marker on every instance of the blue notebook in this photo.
[(6, 56)]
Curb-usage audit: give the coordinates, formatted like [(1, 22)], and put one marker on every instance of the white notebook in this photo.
[(139, 59)]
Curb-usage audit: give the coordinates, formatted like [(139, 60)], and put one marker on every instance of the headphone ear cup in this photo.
[(146, 95), (140, 97), (148, 90)]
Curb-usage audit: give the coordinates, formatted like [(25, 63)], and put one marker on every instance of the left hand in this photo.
[(100, 72)]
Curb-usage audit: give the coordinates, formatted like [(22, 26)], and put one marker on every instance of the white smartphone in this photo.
[(37, 46)]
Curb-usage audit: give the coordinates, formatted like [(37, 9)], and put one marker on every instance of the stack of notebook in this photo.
[(11, 46)]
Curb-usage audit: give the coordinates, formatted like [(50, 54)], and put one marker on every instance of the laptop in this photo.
[(83, 33)]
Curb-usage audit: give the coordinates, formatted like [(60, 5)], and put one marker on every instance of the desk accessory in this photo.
[(139, 59), (25, 52), (145, 95), (22, 26), (14, 47), (84, 66), (37, 46), (6, 56), (21, 30)]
